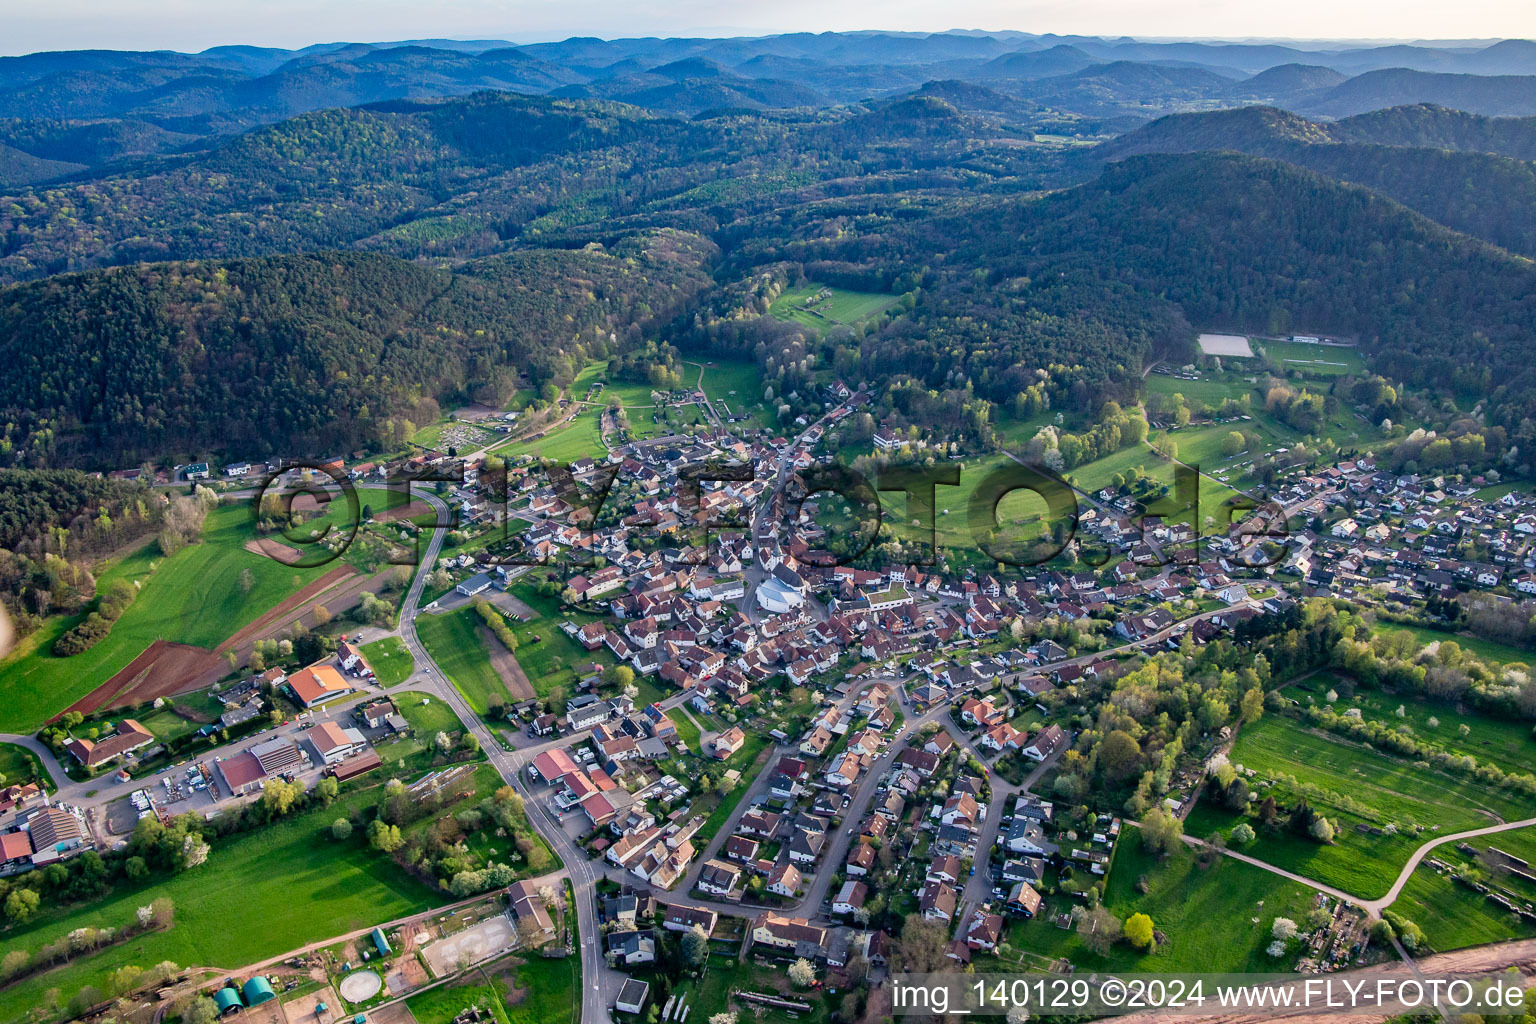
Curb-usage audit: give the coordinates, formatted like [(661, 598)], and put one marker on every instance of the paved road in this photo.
[(50, 763), (101, 790), (1377, 906), (600, 983), (1371, 907)]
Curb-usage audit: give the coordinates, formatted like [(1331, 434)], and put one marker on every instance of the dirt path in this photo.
[(506, 666), (1418, 855)]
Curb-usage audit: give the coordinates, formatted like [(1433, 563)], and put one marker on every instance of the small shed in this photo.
[(227, 1001), (257, 991), (380, 942)]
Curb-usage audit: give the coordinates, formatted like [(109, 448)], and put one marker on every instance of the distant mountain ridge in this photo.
[(1467, 172), (1111, 82)]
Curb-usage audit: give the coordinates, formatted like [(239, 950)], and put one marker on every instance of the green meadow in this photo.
[(260, 894), (455, 644), (1351, 785), (1216, 917), (839, 306), (194, 597), (390, 660)]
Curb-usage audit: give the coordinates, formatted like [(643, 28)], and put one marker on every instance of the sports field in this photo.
[(821, 306), (1314, 360), (1225, 345)]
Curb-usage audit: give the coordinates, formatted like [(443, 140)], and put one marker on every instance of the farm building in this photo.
[(476, 584), (277, 756), (365, 762), (256, 991), (227, 1001), (55, 832)]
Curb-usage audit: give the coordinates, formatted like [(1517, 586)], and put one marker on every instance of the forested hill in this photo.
[(1435, 127), (310, 353), (325, 180), (1444, 164), (1417, 126), (478, 175), (1074, 293), (1267, 246)]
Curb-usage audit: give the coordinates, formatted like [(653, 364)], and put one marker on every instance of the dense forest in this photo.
[(334, 278), (1469, 173), (308, 353)]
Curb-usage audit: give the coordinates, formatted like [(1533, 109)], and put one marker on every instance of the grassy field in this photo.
[(1211, 389), (391, 662), (542, 991), (550, 661), (440, 1005), (1392, 791), (20, 766), (455, 644), (1343, 427), (433, 435), (1454, 916), (736, 389), (1503, 741), (686, 730), (576, 439), (427, 720), (1495, 491), (1313, 360), (711, 994), (193, 597), (166, 724), (744, 761), (630, 394), (322, 888), (489, 843), (838, 306), (1216, 918), (1138, 458)]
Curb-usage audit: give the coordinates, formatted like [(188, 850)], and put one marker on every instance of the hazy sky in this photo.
[(26, 25)]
